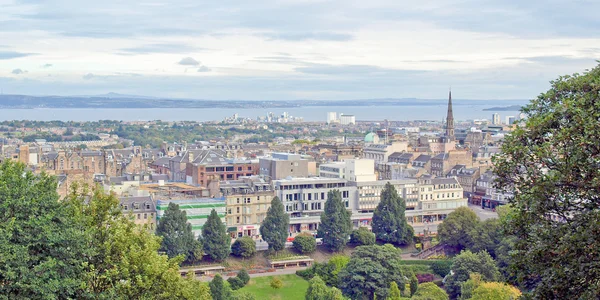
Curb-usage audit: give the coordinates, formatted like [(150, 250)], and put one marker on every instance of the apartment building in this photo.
[(438, 197), (141, 210), (369, 193), (350, 169), (283, 165), (197, 209)]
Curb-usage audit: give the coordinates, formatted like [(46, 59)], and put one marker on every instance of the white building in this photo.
[(496, 119), (510, 120), (358, 170), (347, 119), (380, 153), (332, 118)]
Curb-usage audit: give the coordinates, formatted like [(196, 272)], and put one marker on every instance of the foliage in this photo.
[(305, 243), (195, 289), (317, 290), (243, 276), (466, 263), (414, 284), (429, 291), (389, 222), (395, 293), (424, 277), (336, 224), (244, 247), (276, 283), (274, 228), (486, 235), (441, 267), (328, 272), (496, 291), (218, 289), (550, 163), (362, 237), (217, 242), (456, 228), (370, 272), (467, 287), (177, 235), (235, 283)]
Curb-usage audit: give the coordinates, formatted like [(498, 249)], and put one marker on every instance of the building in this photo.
[(283, 165), (438, 197), (332, 118), (197, 209), (496, 119), (347, 119), (304, 199), (443, 162), (141, 210), (350, 169), (510, 120), (369, 194), (380, 153), (467, 177), (450, 119)]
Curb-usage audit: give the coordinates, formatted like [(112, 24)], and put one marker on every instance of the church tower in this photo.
[(450, 119)]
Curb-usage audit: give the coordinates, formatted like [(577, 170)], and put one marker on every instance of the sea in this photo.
[(432, 112)]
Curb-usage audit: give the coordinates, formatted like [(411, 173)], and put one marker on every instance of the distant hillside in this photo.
[(505, 108)]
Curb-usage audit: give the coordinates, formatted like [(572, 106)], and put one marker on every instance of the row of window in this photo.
[(311, 196), (226, 169)]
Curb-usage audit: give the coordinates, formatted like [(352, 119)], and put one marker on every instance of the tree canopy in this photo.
[(274, 228), (389, 221), (217, 243), (456, 228), (177, 235), (336, 224), (244, 247), (467, 263)]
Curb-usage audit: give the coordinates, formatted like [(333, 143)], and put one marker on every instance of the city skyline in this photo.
[(285, 50)]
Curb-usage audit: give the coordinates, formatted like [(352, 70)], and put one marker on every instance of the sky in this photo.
[(295, 49)]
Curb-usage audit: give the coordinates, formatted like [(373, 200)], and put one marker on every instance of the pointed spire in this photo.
[(450, 118)]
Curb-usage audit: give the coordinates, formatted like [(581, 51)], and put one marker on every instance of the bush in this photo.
[(244, 247), (243, 276), (362, 236), (305, 243), (235, 283), (441, 267), (425, 277), (276, 283)]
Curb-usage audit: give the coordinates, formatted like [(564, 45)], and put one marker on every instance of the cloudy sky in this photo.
[(295, 49)]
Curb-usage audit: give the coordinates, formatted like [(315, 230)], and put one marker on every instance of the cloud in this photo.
[(160, 48), (18, 71), (12, 54), (302, 36), (47, 66), (88, 76), (188, 61), (204, 69)]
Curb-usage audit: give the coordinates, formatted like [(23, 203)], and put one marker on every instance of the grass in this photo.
[(294, 287)]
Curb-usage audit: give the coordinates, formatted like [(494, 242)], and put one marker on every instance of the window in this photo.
[(237, 220), (229, 211), (238, 210), (145, 216), (229, 169), (139, 217), (239, 168), (238, 200), (147, 206), (249, 168)]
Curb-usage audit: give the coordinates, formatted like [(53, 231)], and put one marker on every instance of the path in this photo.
[(277, 272)]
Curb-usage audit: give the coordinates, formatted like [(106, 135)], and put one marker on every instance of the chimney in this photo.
[(191, 157)]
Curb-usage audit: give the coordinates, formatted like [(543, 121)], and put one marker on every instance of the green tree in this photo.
[(486, 235), (195, 289), (235, 283), (395, 293), (276, 283), (456, 228), (441, 267), (389, 222), (243, 276), (466, 263), (317, 290), (42, 249), (176, 233), (429, 291), (495, 291), (370, 272), (467, 287), (336, 224), (305, 243), (217, 243), (274, 229), (244, 247), (414, 284), (218, 289), (549, 163), (362, 237)]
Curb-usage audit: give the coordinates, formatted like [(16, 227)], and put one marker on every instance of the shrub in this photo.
[(243, 276), (244, 247), (305, 243), (235, 283), (276, 283), (425, 277), (441, 267), (362, 236)]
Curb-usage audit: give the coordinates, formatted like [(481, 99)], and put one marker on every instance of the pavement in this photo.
[(278, 272), (483, 214)]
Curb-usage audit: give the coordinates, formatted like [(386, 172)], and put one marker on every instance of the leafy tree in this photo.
[(466, 263), (467, 287), (317, 290), (42, 249), (335, 294), (395, 293), (328, 272), (243, 276), (244, 247), (235, 283), (370, 272), (441, 267), (414, 284), (276, 283), (195, 289), (456, 228), (217, 244), (176, 233), (496, 291), (550, 164), (389, 222), (336, 224), (274, 228), (429, 291), (362, 236), (218, 289), (305, 243), (486, 235)]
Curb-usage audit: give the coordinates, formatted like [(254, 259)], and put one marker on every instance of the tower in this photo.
[(450, 119)]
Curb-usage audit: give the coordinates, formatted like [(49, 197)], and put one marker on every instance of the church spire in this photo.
[(450, 119)]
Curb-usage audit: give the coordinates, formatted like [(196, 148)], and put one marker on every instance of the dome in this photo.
[(370, 137)]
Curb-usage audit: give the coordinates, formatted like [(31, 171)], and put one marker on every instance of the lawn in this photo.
[(294, 287)]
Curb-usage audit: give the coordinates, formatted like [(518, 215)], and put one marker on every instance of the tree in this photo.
[(336, 224), (195, 289), (467, 287), (276, 283), (42, 249), (395, 293), (549, 164), (217, 244), (495, 291), (486, 235), (414, 284), (274, 228), (244, 247), (441, 267), (317, 290), (243, 276), (305, 243), (466, 263), (389, 222), (218, 289), (362, 237), (429, 291), (176, 233), (456, 228), (235, 283), (370, 272)]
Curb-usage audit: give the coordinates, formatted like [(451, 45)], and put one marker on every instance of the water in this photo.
[(309, 113)]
